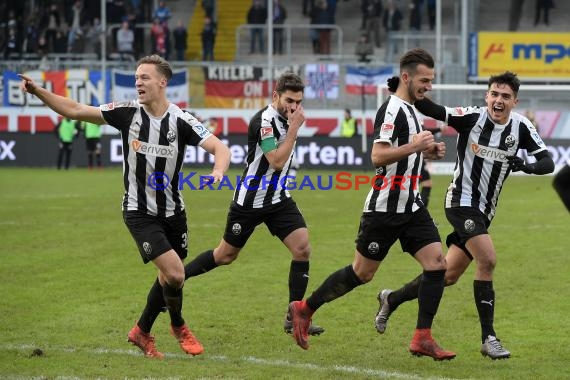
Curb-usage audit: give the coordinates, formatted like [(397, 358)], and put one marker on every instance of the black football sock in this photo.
[(201, 264), (485, 301), (425, 192), (406, 293), (154, 305), (336, 285), (298, 280), (429, 296), (173, 300)]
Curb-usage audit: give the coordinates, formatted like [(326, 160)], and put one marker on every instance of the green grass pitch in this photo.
[(73, 284)]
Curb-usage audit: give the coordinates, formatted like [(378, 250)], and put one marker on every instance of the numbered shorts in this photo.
[(467, 222), (156, 235), (378, 231), (281, 219)]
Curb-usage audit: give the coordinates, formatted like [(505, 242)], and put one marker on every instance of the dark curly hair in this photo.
[(508, 78)]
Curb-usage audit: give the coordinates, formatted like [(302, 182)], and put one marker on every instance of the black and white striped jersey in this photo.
[(260, 185), (153, 153), (481, 166), (396, 185)]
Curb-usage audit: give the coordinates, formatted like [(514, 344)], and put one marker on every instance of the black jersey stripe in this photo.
[(160, 166), (140, 168)]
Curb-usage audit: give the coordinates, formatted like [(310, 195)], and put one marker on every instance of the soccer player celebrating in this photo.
[(489, 138), (155, 133), (262, 195), (394, 212)]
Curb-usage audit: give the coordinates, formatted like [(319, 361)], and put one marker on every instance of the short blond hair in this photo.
[(162, 65)]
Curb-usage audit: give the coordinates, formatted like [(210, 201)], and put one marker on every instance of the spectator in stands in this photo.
[(116, 11), (208, 39), (51, 22), (11, 47), (515, 14), (415, 19), (364, 48), (75, 32), (60, 43), (158, 38), (162, 12), (43, 48), (431, 13), (95, 35), (542, 6), (308, 7), (279, 16), (331, 6), (257, 15), (374, 21), (322, 16), (125, 41), (180, 37), (364, 11), (209, 7), (32, 35), (392, 23)]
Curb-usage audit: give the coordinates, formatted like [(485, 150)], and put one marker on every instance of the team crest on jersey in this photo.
[(469, 225), (386, 130), (171, 136), (510, 141), (147, 248), (236, 229), (373, 248)]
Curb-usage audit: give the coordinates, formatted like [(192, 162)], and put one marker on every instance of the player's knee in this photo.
[(487, 264), (226, 256), (302, 252), (175, 279), (451, 278)]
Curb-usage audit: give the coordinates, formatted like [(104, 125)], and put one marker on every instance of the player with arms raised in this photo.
[(155, 134)]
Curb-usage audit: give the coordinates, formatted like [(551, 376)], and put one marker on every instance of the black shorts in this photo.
[(467, 222), (156, 235), (378, 231), (93, 144), (281, 219)]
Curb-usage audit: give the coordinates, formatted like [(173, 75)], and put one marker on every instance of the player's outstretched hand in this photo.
[(27, 84)]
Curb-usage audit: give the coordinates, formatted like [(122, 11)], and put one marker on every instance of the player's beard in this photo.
[(413, 92), (281, 110)]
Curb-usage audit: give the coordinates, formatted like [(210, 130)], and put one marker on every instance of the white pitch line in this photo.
[(247, 359)]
